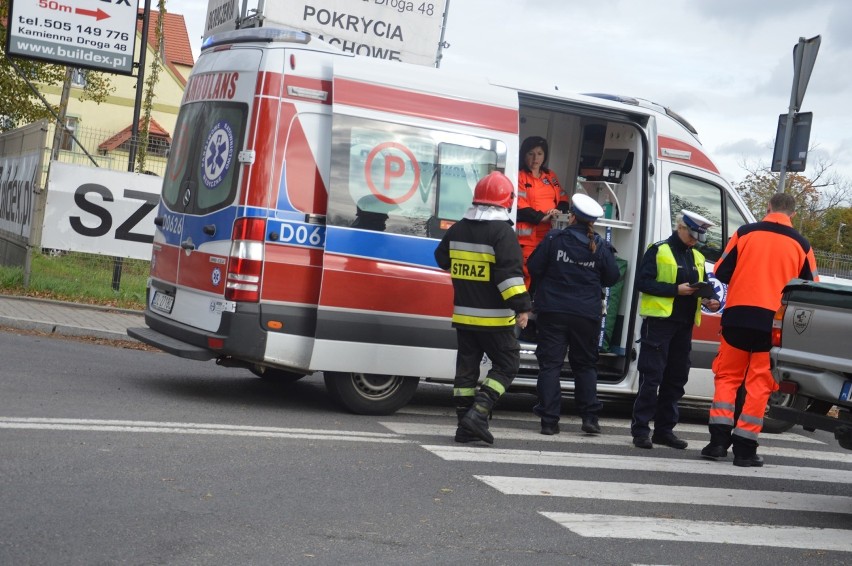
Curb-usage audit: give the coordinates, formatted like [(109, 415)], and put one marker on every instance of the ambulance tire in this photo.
[(368, 393), (274, 375)]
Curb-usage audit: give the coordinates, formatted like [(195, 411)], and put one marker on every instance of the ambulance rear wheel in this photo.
[(369, 393)]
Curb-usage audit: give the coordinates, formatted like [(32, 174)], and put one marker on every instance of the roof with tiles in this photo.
[(178, 50), (154, 129)]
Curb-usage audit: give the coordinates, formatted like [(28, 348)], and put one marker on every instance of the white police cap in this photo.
[(585, 208), (696, 224)]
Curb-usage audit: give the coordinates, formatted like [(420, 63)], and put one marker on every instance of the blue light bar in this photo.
[(255, 35)]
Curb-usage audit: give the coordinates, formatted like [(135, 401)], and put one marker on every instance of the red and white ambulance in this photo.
[(307, 188)]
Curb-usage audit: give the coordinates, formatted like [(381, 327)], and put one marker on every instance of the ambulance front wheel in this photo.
[(368, 393)]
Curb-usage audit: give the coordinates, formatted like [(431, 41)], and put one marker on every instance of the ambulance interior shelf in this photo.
[(606, 194)]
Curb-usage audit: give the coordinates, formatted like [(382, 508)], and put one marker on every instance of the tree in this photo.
[(18, 103), (835, 233), (820, 197)]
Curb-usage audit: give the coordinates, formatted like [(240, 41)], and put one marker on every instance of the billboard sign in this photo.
[(93, 34), (18, 184), (99, 211), (395, 30), (221, 16)]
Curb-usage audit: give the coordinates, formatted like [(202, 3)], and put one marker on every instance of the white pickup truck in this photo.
[(812, 357)]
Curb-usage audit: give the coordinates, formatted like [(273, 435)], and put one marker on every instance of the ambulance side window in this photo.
[(461, 167), (402, 179), (706, 199), (735, 219)]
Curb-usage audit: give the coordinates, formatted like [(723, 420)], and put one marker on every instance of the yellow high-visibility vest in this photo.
[(653, 305)]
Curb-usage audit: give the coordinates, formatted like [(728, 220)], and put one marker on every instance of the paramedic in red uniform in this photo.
[(759, 260), (569, 269), (670, 307), (540, 197), (482, 254)]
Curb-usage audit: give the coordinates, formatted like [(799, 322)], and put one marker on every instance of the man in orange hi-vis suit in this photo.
[(539, 197), (759, 260)]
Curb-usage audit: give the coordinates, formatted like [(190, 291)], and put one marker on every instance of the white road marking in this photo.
[(636, 463), (189, 428), (570, 437), (686, 495), (649, 528), (606, 423)]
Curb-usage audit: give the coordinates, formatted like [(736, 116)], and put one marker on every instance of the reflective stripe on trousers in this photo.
[(732, 368)]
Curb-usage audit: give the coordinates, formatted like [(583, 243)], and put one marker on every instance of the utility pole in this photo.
[(118, 262)]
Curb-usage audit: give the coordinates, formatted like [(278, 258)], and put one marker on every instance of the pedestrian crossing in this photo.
[(663, 529), (796, 501)]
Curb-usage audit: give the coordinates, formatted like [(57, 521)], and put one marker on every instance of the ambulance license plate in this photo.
[(846, 391), (162, 302)]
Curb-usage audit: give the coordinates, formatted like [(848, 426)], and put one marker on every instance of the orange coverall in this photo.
[(757, 263), (536, 197)]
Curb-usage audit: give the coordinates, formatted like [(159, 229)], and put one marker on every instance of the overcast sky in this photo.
[(725, 65)]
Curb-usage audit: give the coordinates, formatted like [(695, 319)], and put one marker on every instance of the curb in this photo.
[(72, 305), (63, 329)]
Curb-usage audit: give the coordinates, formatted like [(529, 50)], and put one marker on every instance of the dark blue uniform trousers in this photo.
[(663, 370), (558, 332)]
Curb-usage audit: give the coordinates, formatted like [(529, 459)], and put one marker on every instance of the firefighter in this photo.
[(540, 197), (569, 269), (758, 261), (482, 254), (670, 306)]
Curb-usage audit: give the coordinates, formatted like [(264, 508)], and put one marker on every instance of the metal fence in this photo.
[(835, 264), (110, 150)]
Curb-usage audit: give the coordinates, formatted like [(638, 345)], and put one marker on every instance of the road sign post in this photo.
[(804, 56)]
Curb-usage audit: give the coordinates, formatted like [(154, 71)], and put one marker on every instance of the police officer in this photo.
[(482, 254), (569, 269), (670, 306)]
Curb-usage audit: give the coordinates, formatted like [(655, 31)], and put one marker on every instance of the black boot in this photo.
[(475, 420), (720, 441), (745, 452), (462, 435), (590, 424)]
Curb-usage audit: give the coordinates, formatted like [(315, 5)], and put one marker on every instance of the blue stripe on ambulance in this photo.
[(381, 246), (192, 226), (292, 233), (289, 225)]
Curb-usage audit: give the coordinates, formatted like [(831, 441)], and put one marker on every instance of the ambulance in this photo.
[(306, 190)]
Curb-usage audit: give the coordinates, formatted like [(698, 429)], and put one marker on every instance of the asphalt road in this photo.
[(117, 456)]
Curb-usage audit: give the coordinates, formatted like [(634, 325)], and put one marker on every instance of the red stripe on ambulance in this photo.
[(362, 284), (292, 274), (439, 108), (670, 149)]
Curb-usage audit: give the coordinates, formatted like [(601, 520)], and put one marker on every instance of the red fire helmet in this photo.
[(494, 189)]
